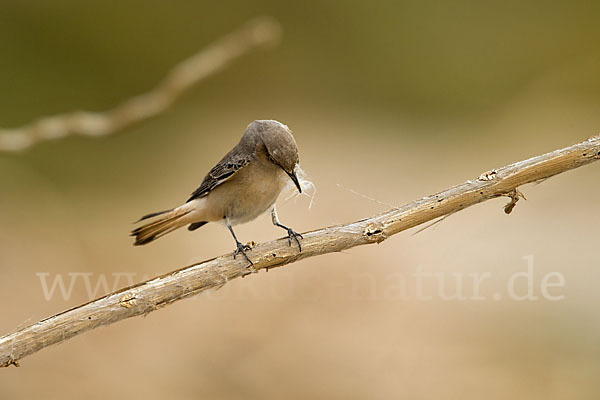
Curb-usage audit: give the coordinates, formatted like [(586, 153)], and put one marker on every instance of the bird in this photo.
[(242, 186)]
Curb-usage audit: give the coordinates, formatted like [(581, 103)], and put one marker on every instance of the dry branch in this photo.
[(210, 60), (148, 296)]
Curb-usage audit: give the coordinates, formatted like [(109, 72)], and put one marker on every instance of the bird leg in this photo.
[(241, 248), (292, 234)]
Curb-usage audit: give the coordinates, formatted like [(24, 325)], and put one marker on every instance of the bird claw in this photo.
[(295, 235), (241, 248)]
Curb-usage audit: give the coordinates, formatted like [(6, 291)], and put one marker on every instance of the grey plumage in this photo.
[(270, 136), (244, 184), (234, 160)]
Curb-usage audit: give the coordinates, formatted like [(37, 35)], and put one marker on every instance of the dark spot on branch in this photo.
[(374, 232), (12, 361)]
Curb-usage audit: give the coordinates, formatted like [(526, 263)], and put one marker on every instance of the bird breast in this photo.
[(249, 193)]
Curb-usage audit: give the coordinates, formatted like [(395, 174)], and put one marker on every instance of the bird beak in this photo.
[(294, 178)]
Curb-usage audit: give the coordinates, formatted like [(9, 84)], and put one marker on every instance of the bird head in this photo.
[(280, 146)]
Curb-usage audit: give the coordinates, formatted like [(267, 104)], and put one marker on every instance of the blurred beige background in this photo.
[(393, 100)]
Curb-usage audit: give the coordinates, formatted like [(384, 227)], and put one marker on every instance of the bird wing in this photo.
[(229, 165)]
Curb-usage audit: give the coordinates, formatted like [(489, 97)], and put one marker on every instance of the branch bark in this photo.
[(148, 296)]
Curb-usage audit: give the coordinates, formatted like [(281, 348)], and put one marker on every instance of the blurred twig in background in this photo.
[(259, 32), (148, 296)]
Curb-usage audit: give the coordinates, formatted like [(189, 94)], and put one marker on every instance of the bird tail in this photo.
[(167, 222)]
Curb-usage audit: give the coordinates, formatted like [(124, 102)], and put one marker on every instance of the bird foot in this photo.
[(241, 248), (292, 234)]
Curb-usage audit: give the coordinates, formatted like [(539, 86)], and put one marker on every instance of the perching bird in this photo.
[(242, 186)]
